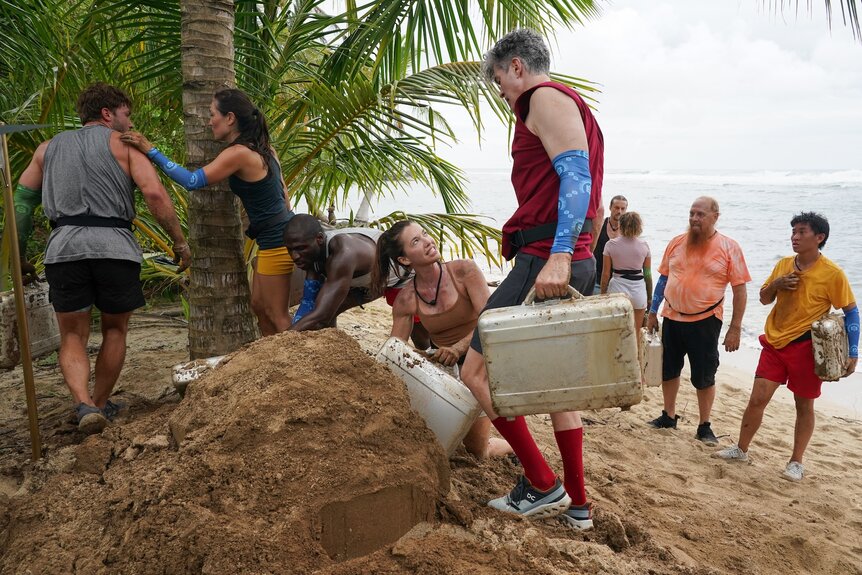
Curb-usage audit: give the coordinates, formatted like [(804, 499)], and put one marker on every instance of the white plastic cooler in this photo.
[(562, 355), (446, 405)]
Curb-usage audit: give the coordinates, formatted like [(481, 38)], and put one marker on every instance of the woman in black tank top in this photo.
[(252, 169)]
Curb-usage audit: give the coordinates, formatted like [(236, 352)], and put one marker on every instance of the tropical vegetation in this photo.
[(355, 93)]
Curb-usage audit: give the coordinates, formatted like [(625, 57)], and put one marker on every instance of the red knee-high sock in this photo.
[(571, 444), (535, 467)]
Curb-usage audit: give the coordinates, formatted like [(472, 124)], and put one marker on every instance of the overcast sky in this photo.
[(709, 84)]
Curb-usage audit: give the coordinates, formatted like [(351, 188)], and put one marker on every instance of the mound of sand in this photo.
[(300, 451), (300, 455)]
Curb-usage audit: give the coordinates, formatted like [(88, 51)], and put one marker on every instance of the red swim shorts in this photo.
[(793, 365), (390, 294)]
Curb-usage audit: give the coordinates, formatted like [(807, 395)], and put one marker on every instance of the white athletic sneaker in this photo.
[(794, 471), (732, 453)]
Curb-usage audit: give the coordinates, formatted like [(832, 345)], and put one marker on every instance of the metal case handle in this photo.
[(531, 297)]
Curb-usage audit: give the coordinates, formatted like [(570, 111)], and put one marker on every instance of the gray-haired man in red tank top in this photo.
[(557, 169)]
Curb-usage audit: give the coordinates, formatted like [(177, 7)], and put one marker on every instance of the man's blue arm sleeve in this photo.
[(310, 289), (188, 180), (851, 326), (658, 294), (573, 167)]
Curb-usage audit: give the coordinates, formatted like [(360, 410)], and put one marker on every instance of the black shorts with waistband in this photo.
[(698, 340), (113, 286)]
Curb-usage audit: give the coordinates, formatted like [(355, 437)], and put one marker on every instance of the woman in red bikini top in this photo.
[(447, 298)]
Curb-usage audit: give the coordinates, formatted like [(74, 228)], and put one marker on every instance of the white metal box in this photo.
[(563, 355), (446, 405), (41, 321), (829, 342), (650, 356)]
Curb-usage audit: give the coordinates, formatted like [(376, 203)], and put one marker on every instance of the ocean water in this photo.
[(756, 208)]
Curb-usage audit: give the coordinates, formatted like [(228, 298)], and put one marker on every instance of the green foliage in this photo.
[(353, 97)]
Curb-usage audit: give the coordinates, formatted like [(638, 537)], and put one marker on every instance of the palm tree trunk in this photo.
[(220, 319)]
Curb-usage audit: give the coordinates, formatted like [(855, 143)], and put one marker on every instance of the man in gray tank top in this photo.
[(337, 264), (85, 179)]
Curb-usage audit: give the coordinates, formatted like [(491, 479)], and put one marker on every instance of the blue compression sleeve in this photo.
[(188, 180), (573, 167), (658, 294), (310, 289), (851, 326)]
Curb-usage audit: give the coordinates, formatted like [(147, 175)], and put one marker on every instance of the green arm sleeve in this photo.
[(26, 201)]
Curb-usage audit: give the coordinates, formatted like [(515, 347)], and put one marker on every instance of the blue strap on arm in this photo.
[(188, 180), (310, 289), (851, 326), (573, 167), (658, 294)]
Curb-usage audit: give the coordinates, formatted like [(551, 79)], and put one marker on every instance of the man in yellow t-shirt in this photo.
[(696, 268), (803, 287)]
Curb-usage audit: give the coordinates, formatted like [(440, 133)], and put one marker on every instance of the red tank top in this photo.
[(537, 186)]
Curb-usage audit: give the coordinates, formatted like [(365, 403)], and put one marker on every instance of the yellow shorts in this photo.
[(274, 262)]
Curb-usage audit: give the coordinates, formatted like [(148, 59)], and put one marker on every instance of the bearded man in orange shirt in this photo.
[(695, 271)]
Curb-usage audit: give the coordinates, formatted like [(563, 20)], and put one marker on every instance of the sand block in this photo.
[(650, 357), (562, 355), (446, 405), (41, 321), (829, 342)]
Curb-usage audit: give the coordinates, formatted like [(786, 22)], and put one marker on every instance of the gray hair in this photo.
[(521, 43)]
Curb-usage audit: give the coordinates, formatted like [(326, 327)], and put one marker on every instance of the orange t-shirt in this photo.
[(698, 276), (821, 287)]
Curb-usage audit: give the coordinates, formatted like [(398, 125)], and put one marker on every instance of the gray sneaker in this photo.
[(794, 471), (579, 517), (732, 453), (113, 409), (90, 419), (528, 501)]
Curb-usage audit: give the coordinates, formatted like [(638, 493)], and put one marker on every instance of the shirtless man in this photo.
[(337, 264)]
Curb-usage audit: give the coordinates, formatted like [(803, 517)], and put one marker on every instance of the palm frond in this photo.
[(428, 32)]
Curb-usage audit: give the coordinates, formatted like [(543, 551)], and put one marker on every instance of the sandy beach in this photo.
[(144, 499)]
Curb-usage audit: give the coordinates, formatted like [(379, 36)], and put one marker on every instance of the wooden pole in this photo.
[(20, 307)]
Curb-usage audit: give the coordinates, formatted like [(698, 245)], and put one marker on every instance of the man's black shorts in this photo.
[(517, 284), (113, 286), (698, 340)]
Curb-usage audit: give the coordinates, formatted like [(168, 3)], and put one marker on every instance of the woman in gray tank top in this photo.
[(252, 169)]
